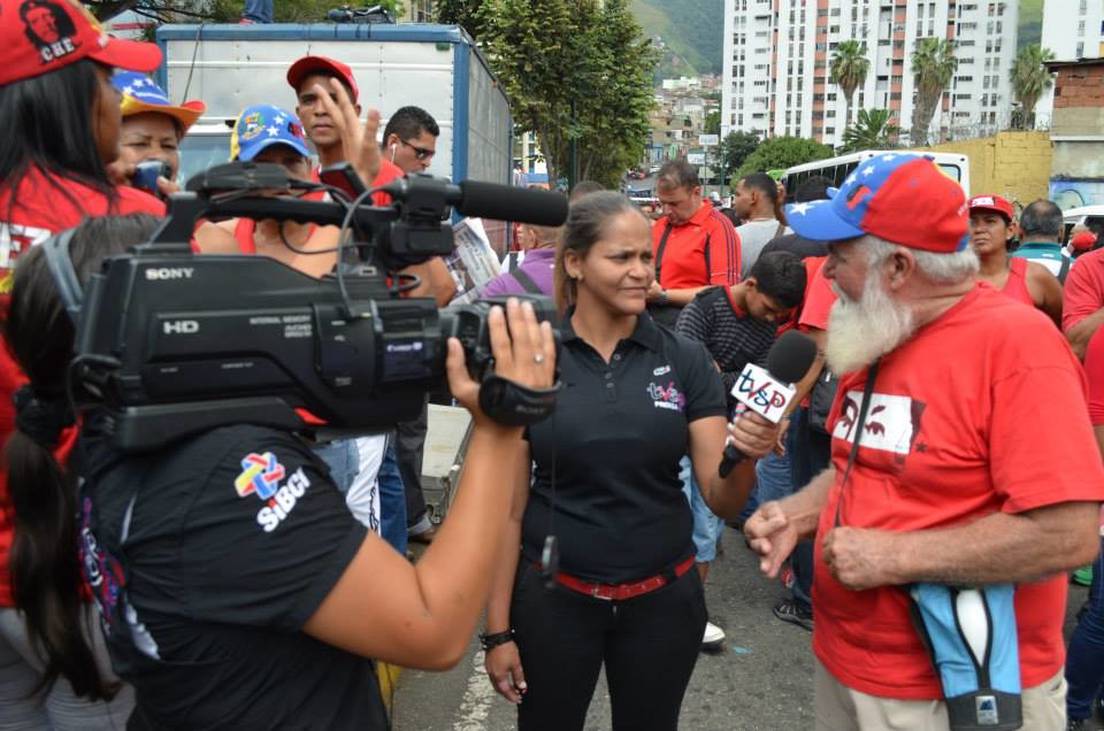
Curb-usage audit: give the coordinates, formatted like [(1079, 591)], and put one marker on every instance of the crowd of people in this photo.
[(941, 456)]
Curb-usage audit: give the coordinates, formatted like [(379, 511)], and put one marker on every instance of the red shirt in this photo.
[(705, 250), (819, 299), (388, 171), (1094, 373), (1084, 289), (1016, 285), (981, 411), (41, 210)]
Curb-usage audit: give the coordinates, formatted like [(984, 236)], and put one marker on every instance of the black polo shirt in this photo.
[(207, 558), (613, 446)]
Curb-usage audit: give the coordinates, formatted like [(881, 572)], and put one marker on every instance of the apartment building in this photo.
[(777, 55), (1072, 29)]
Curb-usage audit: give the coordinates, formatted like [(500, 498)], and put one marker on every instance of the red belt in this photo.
[(621, 592)]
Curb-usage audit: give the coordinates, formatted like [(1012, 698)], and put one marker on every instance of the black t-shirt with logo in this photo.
[(614, 445), (207, 558)]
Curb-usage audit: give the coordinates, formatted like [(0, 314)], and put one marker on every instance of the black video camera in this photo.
[(172, 343)]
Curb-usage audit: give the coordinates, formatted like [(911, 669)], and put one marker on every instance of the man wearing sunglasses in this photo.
[(410, 139)]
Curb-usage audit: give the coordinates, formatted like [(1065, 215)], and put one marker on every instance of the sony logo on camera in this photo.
[(169, 273)]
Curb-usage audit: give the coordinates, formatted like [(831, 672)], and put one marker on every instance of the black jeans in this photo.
[(649, 645), (812, 456), (410, 439)]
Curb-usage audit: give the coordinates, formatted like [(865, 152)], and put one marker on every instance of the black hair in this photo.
[(1041, 218), (585, 187), (677, 174), (44, 562), (586, 224), (763, 183), (48, 125), (811, 189), (410, 122), (780, 275)]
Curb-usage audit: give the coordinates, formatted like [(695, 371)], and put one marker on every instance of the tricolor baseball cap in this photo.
[(308, 65), (897, 196), (993, 203), (41, 36), (141, 94), (262, 126)]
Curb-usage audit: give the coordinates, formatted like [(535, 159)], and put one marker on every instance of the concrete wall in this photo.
[(1015, 165)]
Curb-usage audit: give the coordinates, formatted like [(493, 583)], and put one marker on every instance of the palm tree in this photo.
[(933, 66), (1030, 78), (848, 71), (873, 130)]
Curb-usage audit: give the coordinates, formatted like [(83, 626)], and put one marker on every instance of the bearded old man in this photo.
[(965, 478)]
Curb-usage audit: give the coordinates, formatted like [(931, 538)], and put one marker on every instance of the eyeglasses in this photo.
[(420, 153)]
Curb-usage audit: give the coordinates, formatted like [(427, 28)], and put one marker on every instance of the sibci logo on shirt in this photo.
[(261, 475)]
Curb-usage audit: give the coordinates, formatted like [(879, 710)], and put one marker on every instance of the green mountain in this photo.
[(693, 31), (1031, 22)]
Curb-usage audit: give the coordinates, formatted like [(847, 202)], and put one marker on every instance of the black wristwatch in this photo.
[(491, 641)]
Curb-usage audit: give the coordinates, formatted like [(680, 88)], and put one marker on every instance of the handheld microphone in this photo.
[(769, 392)]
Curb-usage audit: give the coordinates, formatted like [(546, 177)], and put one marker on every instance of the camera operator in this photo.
[(61, 123), (638, 398), (152, 130), (234, 583)]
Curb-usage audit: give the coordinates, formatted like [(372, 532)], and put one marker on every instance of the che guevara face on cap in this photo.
[(41, 36)]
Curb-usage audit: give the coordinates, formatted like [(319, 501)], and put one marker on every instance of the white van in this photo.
[(1092, 217), (836, 169)]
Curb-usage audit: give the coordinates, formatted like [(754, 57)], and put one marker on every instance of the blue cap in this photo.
[(262, 126)]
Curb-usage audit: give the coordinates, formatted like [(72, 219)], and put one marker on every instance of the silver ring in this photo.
[(538, 358)]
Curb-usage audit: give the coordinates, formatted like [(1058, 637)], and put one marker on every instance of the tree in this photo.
[(1030, 78), (735, 148), (848, 71), (873, 130), (587, 83), (933, 66), (472, 15), (712, 123), (782, 152)]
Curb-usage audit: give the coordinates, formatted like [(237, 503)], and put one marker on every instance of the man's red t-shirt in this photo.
[(388, 171), (703, 251), (41, 209), (819, 299), (1083, 293), (1094, 374), (981, 411)]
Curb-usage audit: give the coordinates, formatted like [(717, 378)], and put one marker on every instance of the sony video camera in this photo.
[(172, 343)]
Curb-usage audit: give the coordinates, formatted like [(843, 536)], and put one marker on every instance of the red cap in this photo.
[(1083, 241), (41, 36), (993, 203), (308, 65)]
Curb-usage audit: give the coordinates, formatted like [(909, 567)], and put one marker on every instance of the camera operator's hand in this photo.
[(524, 354), (358, 143)]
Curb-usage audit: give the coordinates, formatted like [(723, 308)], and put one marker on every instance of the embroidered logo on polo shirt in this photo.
[(662, 371), (261, 475), (667, 397)]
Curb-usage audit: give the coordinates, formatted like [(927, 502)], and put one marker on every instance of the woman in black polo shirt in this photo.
[(636, 398)]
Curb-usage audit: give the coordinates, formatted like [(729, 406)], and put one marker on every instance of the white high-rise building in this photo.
[(1072, 29), (777, 55)]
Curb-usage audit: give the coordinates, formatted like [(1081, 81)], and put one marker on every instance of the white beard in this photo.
[(860, 332)]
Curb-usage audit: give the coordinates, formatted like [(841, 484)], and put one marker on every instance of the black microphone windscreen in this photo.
[(791, 356), (505, 203)]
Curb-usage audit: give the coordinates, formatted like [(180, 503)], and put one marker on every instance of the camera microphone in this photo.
[(489, 200), (769, 392)]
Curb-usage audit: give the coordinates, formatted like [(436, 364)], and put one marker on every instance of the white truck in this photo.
[(436, 67)]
